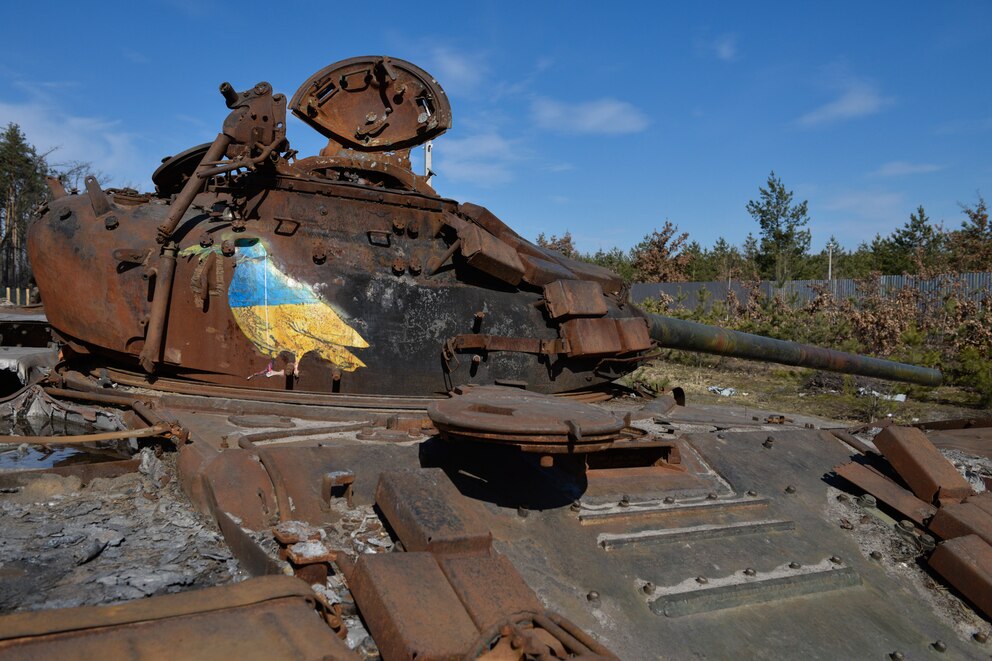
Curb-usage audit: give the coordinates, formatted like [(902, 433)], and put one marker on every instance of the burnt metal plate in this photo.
[(262, 618), (497, 410), (575, 298), (374, 103)]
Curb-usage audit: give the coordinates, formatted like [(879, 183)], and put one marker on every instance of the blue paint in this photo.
[(257, 282)]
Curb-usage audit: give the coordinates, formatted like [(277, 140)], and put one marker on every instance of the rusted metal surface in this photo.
[(852, 440), (887, 491), (488, 586), (692, 336), (931, 477), (961, 519), (495, 527), (975, 438), (966, 563), (411, 609), (261, 618), (451, 571), (975, 422), (239, 485), (423, 509), (157, 430), (299, 477), (85, 472), (373, 103), (299, 398), (574, 298), (531, 421), (982, 501)]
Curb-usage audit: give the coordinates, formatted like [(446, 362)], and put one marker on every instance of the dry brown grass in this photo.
[(789, 390)]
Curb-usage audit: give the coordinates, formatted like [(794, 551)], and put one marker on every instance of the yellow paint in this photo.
[(303, 324), (300, 329)]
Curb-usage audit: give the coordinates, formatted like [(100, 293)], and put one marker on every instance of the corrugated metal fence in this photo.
[(976, 286)]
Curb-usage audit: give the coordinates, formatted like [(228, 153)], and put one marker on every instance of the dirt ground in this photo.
[(795, 390)]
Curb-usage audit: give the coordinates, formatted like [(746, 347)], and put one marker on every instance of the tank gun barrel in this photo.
[(674, 333)]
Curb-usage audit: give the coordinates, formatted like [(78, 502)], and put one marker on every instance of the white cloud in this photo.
[(69, 137), (483, 159), (855, 216), (869, 204), (903, 168), (857, 98), (606, 116), (725, 47), (456, 71)]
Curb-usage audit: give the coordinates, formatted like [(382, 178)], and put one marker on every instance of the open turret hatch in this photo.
[(374, 104)]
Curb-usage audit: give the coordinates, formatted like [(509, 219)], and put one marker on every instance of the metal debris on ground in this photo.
[(114, 539)]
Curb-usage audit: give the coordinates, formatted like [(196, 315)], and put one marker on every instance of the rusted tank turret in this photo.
[(345, 271)]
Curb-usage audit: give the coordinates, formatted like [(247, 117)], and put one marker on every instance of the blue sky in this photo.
[(603, 119)]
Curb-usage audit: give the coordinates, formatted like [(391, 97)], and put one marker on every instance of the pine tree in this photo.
[(22, 188), (784, 241)]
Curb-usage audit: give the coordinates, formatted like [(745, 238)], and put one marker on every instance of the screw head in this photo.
[(647, 588), (769, 442), (980, 637), (711, 496), (876, 555), (794, 565), (751, 493), (836, 559), (702, 580), (939, 646), (750, 571), (669, 500), (522, 511), (896, 656), (790, 489), (111, 222), (906, 524), (592, 596), (625, 501), (576, 506)]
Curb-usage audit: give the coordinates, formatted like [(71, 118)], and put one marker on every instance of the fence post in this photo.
[(17, 293), (8, 295)]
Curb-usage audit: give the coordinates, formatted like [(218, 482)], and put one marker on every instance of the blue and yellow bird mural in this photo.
[(278, 313)]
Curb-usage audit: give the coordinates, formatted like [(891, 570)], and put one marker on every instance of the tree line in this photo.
[(23, 189), (781, 249)]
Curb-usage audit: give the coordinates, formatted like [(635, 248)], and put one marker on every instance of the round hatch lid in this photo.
[(374, 103), (510, 415)]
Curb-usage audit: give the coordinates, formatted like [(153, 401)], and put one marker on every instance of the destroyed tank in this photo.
[(345, 272), (420, 493)]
